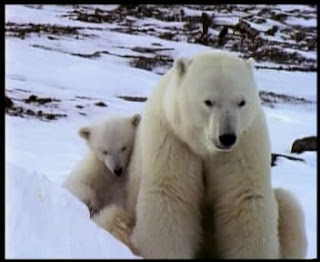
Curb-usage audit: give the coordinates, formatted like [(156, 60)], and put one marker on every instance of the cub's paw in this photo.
[(116, 221), (93, 205)]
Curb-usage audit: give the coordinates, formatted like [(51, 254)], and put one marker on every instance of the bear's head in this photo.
[(216, 100), (111, 140)]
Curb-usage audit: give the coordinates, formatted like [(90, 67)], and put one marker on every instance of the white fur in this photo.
[(166, 182), (293, 239), (241, 198), (238, 183), (116, 220), (95, 185), (196, 103), (93, 180)]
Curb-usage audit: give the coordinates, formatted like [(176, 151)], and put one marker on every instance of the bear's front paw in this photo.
[(93, 206), (122, 230), (92, 211)]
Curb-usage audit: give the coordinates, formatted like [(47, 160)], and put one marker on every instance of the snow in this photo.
[(40, 154), (42, 210), (107, 7), (153, 21), (301, 22), (298, 84), (74, 74), (286, 125), (278, 37), (305, 54), (192, 12), (226, 20), (286, 7)]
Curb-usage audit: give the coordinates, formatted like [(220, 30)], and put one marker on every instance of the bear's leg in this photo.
[(88, 196), (117, 222), (247, 230), (244, 211), (166, 228), (168, 219), (291, 225)]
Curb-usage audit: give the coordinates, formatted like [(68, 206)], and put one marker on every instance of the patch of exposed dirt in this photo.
[(149, 49), (275, 157), (133, 98), (41, 101), (278, 43), (243, 37), (93, 55), (84, 97), (101, 104), (150, 63), (14, 109), (271, 98), (22, 112), (24, 30)]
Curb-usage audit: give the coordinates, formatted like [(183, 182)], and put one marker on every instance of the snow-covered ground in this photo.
[(42, 219), (47, 222)]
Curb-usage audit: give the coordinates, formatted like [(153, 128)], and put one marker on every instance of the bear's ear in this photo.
[(84, 132), (181, 65), (250, 63), (135, 119)]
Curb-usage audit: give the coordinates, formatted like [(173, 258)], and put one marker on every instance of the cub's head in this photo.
[(217, 99), (111, 140)]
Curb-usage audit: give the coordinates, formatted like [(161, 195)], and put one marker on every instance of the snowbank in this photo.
[(44, 220)]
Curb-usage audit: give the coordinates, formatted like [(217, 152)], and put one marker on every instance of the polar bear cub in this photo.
[(99, 179)]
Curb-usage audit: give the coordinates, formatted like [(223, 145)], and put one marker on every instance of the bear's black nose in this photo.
[(227, 140), (118, 171)]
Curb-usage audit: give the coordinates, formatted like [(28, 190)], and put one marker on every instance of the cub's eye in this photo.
[(105, 152), (123, 149), (242, 103), (208, 103)]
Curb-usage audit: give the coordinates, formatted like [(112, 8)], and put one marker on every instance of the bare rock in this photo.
[(274, 158), (304, 144), (100, 104), (8, 102)]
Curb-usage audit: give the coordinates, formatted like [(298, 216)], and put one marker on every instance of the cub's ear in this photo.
[(181, 65), (84, 132), (250, 63), (135, 119)]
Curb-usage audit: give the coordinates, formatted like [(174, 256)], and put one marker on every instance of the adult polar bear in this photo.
[(203, 147)]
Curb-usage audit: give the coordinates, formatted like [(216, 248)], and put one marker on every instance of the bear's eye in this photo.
[(208, 103), (105, 152), (123, 149), (242, 103)]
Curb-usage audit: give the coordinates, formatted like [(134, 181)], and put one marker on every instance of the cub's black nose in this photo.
[(227, 140), (118, 171)]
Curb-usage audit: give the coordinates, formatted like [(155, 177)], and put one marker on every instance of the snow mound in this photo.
[(44, 220)]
